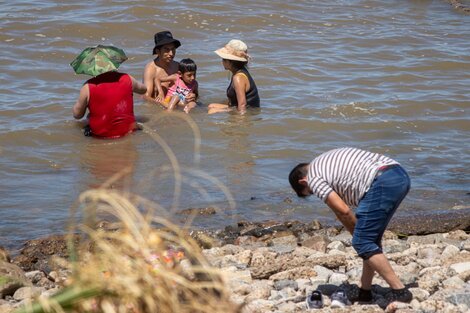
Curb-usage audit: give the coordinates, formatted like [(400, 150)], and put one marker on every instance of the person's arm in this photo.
[(342, 210), (79, 108), (159, 80), (193, 95), (240, 84), (149, 76), (138, 87)]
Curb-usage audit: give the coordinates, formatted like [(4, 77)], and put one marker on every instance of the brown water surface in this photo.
[(391, 77)]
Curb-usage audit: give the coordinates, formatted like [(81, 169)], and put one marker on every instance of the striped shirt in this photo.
[(347, 171)]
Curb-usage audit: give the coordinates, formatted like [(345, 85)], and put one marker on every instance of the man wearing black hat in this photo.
[(163, 65)]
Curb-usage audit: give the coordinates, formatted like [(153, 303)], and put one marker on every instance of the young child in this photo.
[(182, 84)]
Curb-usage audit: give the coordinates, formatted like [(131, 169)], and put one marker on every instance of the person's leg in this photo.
[(367, 276), (373, 215), (379, 263), (189, 106), (213, 110), (173, 102)]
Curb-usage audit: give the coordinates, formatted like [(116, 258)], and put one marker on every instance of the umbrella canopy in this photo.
[(98, 60)]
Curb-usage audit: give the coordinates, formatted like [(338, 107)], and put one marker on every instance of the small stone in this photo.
[(338, 278), (453, 283), (449, 252), (284, 283), (27, 293), (458, 268)]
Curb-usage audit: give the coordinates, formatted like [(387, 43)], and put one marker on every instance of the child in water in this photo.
[(182, 83)]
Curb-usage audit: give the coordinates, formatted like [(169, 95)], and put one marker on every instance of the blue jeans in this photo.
[(376, 209)]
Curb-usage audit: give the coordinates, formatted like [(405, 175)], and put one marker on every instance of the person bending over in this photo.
[(374, 185)]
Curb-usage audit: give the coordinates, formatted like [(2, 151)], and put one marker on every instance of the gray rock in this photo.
[(35, 276), (465, 245), (24, 293), (458, 268), (337, 279), (345, 237), (425, 240), (284, 283), (322, 272), (336, 245), (419, 294), (284, 244), (449, 252), (453, 283), (429, 252), (393, 246), (303, 283)]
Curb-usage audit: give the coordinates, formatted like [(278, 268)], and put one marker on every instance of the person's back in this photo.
[(252, 96), (111, 105)]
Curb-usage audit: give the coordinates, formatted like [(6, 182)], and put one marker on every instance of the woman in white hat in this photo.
[(242, 91)]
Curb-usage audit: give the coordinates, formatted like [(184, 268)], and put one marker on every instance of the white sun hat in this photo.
[(234, 50)]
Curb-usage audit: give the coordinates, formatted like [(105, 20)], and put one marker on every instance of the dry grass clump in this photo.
[(147, 264), (137, 268)]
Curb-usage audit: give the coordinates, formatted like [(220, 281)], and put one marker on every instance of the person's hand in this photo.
[(159, 98), (191, 97)]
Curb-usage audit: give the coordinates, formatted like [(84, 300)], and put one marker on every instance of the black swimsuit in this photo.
[(252, 97)]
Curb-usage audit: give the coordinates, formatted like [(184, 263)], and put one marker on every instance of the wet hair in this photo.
[(297, 173), (187, 65)]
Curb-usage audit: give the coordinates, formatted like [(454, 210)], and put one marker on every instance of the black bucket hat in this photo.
[(164, 38)]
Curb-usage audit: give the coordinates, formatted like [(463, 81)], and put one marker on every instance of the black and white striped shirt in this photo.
[(347, 171)]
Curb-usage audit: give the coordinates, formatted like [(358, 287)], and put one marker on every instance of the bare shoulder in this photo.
[(150, 67)]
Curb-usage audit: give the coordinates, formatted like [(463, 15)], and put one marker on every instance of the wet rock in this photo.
[(204, 240), (249, 242), (36, 254), (423, 223), (198, 211)]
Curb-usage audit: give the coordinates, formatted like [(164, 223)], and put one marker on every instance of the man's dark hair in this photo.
[(187, 65), (299, 172)]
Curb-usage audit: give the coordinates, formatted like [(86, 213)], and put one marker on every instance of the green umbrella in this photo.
[(98, 60)]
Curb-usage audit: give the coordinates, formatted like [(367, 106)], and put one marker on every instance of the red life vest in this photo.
[(111, 105)]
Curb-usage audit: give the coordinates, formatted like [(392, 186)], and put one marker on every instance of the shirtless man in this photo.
[(162, 66)]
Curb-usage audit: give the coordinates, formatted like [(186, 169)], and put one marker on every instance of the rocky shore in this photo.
[(270, 267)]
